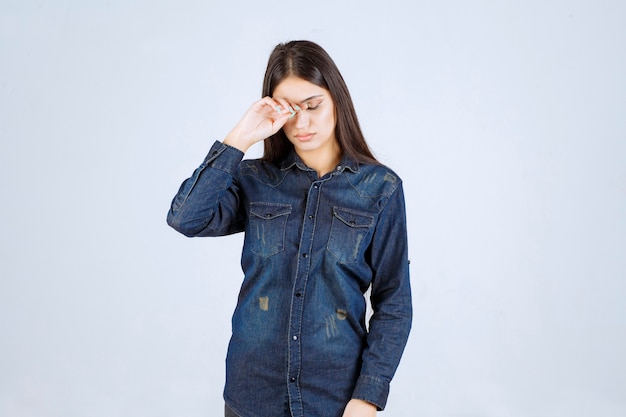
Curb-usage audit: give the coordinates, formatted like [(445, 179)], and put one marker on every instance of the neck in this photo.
[(321, 160)]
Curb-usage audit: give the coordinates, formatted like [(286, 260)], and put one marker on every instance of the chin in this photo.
[(306, 146)]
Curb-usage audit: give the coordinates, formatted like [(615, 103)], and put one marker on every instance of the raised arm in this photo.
[(207, 203)]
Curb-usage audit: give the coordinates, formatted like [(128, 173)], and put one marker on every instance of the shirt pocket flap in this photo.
[(269, 210), (353, 218)]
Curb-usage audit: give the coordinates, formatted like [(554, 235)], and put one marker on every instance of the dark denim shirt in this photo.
[(312, 247)]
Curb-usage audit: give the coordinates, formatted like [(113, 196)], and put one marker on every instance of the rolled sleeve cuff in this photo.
[(229, 157), (372, 389)]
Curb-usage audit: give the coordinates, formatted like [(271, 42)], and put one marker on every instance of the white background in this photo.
[(505, 119)]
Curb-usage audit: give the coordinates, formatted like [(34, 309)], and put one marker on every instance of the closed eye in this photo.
[(313, 106)]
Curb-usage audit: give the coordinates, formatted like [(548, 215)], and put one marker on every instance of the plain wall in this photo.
[(505, 120)]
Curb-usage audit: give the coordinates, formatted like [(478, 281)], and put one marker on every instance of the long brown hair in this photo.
[(309, 61)]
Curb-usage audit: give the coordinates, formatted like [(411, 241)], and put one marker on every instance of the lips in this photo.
[(304, 137)]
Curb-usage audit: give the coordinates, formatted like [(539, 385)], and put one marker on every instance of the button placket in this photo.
[(297, 305)]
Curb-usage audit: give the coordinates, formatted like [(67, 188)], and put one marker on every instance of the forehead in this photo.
[(296, 89)]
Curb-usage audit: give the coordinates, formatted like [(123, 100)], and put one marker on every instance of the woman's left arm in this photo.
[(359, 408), (390, 323)]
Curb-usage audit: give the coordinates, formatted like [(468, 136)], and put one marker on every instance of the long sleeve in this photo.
[(207, 203), (390, 324)]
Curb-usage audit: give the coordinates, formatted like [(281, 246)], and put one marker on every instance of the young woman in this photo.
[(323, 222)]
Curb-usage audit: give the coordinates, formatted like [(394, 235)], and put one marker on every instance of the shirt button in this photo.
[(338, 167), (298, 294), (292, 379), (295, 337), (304, 255), (310, 217)]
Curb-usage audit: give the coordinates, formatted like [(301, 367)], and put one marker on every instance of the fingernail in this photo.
[(297, 108), (278, 109)]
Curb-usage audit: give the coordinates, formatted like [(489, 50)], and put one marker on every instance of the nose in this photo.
[(302, 119)]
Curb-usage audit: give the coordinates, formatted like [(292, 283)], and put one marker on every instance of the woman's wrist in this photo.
[(236, 140)]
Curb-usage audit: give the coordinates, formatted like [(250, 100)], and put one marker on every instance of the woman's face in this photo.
[(312, 129)]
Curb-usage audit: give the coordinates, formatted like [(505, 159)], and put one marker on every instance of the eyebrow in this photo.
[(311, 98)]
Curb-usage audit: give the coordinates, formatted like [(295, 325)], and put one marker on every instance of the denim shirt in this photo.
[(300, 345)]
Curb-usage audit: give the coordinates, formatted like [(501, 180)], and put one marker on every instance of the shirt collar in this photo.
[(292, 159)]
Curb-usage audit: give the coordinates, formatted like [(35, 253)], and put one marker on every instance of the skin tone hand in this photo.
[(359, 408), (264, 118)]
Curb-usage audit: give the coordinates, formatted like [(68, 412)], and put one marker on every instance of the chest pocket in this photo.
[(268, 222), (348, 233)]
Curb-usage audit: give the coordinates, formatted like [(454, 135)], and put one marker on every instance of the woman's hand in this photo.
[(264, 118), (359, 408)]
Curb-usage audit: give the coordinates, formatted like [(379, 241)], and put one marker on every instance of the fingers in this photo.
[(280, 114), (284, 108), (281, 106), (264, 118), (269, 105)]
